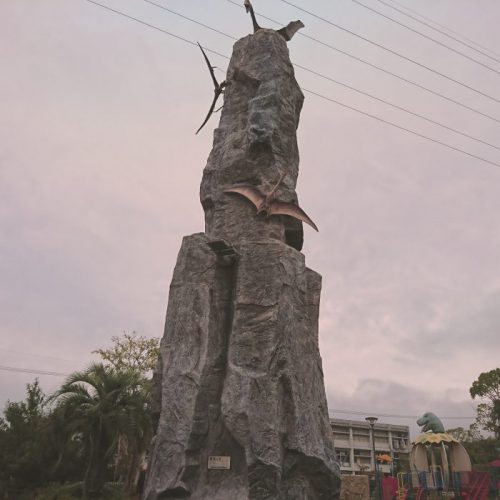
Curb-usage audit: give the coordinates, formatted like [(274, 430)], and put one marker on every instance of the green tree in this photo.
[(465, 435), (132, 351), (487, 388), (22, 448), (29, 450), (104, 406), (482, 452), (139, 353)]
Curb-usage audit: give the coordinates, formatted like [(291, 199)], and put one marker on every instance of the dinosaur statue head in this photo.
[(430, 422)]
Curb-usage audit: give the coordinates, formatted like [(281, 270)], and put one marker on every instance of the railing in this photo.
[(472, 485), (465, 485), (481, 486)]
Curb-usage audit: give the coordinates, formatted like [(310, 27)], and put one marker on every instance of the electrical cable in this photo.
[(387, 122), (331, 410), (430, 120), (371, 9), (446, 28), (387, 49), (189, 19), (35, 355), (322, 96), (438, 30), (33, 371), (321, 75), (379, 68), (155, 28), (388, 415)]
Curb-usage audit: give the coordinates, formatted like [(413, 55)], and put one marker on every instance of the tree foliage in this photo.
[(132, 351), (29, 448), (95, 428), (481, 450), (104, 406), (465, 435), (487, 388), (22, 450)]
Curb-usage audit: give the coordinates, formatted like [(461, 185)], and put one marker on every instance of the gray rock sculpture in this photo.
[(240, 373)]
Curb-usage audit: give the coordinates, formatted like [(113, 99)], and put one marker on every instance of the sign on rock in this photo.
[(219, 462)]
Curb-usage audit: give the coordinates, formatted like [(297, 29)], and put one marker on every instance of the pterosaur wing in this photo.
[(249, 192), (285, 208), (210, 68), (288, 31), (211, 110)]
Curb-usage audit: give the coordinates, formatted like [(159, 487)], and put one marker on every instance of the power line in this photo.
[(352, 56), (33, 371), (189, 19), (350, 412), (423, 35), (321, 75), (445, 27), (327, 98), (438, 30), (388, 415), (24, 353), (156, 28), (430, 120), (387, 49), (392, 124)]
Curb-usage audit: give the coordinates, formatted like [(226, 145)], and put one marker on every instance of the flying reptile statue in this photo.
[(218, 88), (287, 32), (269, 204)]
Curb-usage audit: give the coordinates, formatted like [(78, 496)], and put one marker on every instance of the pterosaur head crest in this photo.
[(287, 32)]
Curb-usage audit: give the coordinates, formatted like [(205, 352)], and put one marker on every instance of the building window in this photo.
[(361, 436), (399, 443), (344, 457), (363, 459)]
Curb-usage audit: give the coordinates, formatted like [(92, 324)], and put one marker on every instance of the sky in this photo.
[(100, 171)]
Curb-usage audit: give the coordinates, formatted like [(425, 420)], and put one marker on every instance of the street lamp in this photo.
[(372, 421)]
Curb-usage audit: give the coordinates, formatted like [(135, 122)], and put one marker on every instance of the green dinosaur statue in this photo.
[(430, 423)]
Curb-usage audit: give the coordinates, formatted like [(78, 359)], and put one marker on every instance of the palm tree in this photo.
[(104, 405)]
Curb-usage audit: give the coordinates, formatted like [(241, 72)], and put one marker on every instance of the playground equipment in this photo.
[(440, 468), (429, 485)]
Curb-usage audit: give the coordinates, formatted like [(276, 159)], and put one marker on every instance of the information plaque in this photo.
[(219, 462)]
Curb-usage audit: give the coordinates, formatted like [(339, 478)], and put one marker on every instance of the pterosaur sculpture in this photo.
[(218, 88), (287, 32), (267, 202)]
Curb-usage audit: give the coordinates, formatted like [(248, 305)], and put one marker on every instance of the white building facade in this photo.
[(353, 444)]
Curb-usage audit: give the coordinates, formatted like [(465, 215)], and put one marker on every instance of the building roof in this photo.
[(364, 424)]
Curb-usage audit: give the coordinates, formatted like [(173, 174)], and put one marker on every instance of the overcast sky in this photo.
[(100, 173)]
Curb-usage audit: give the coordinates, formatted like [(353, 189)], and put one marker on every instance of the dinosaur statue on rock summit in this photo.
[(287, 32)]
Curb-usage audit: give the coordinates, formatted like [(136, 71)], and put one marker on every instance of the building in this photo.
[(353, 444)]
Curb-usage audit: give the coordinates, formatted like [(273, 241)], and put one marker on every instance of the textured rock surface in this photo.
[(355, 488), (255, 142), (240, 371)]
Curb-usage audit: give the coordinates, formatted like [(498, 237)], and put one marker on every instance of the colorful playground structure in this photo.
[(429, 485), (441, 468)]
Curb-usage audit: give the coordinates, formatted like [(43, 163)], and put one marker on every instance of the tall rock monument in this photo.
[(242, 412)]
